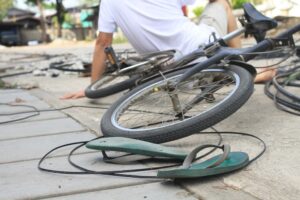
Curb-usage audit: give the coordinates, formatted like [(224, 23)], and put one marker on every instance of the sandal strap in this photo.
[(192, 155)]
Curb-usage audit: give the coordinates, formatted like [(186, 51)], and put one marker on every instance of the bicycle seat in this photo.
[(257, 20)]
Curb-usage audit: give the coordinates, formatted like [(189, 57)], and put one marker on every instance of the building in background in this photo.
[(20, 27)]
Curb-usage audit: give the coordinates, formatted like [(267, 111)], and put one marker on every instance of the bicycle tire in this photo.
[(98, 90), (105, 86), (184, 128)]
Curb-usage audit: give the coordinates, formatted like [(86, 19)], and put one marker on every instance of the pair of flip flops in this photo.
[(224, 163)]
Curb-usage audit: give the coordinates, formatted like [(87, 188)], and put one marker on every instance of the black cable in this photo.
[(248, 135), (15, 74), (281, 89), (113, 173), (84, 171), (283, 99), (35, 112), (278, 100), (116, 173), (49, 110)]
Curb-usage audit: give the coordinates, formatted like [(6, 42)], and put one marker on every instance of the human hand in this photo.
[(74, 95)]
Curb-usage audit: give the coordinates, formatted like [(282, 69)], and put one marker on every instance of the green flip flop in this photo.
[(223, 163), (140, 149)]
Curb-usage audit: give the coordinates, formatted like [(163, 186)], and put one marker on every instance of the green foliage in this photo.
[(45, 3), (89, 2), (55, 21), (69, 19), (239, 3), (198, 11), (119, 40), (4, 6), (2, 84), (257, 1)]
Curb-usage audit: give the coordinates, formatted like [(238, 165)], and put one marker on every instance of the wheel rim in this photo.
[(145, 112)]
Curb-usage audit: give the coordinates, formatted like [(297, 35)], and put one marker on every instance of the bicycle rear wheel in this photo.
[(113, 82), (110, 84), (206, 98)]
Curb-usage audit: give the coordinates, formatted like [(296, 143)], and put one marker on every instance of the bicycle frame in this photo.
[(243, 54)]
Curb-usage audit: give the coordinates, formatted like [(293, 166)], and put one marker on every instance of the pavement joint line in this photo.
[(50, 157), (182, 186), (46, 120), (82, 124), (96, 189), (23, 102), (49, 134), (37, 120), (40, 110), (238, 189)]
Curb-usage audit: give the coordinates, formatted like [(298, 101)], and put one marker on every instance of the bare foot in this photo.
[(264, 74)]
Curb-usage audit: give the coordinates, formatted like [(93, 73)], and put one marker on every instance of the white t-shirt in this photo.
[(153, 25)]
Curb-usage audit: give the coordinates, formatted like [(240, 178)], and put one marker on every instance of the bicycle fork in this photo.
[(206, 94)]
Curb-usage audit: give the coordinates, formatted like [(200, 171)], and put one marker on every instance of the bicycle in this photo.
[(184, 102)]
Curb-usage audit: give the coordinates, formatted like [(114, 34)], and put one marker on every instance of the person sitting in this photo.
[(156, 26)]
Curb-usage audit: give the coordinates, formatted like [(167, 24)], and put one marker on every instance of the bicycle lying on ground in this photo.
[(183, 102)]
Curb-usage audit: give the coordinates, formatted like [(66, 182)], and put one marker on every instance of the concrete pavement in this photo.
[(274, 176)]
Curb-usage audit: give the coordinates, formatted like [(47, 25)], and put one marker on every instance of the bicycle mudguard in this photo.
[(244, 65), (138, 147)]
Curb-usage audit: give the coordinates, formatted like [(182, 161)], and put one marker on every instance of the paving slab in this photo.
[(216, 189), (21, 100), (31, 129), (39, 105), (276, 175), (151, 191), (7, 91), (10, 97), (90, 117), (23, 180), (35, 147)]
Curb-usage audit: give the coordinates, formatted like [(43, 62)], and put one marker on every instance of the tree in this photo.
[(89, 2), (38, 3), (60, 16), (59, 13), (4, 6)]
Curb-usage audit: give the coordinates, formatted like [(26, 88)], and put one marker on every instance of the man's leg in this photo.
[(232, 25), (224, 22), (219, 15)]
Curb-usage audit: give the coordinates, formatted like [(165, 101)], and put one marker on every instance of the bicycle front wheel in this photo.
[(148, 112)]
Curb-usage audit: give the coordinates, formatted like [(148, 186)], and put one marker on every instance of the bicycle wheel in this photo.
[(110, 84), (147, 112)]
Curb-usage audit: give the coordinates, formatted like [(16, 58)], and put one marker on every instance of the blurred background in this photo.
[(32, 22)]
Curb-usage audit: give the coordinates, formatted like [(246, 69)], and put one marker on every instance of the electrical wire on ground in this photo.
[(35, 112), (127, 173), (277, 89)]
